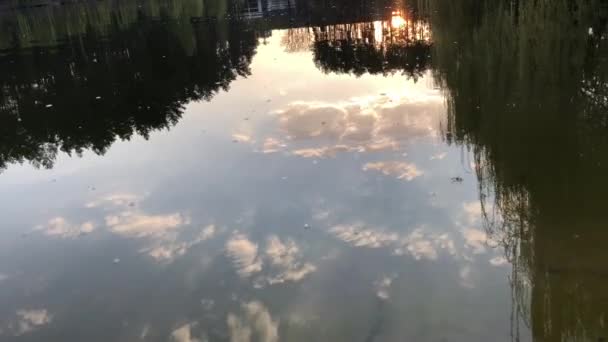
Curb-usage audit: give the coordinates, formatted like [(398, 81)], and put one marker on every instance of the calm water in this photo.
[(208, 170)]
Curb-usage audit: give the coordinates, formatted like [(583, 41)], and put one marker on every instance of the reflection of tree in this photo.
[(527, 84), (93, 88), (373, 47)]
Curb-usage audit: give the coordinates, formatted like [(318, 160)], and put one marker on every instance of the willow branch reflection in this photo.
[(527, 89)]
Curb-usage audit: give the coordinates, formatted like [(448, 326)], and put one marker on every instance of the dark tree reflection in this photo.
[(386, 47), (527, 84), (111, 81)]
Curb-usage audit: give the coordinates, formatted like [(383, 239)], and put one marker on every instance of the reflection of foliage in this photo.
[(45, 26), (91, 89), (372, 48), (527, 85)]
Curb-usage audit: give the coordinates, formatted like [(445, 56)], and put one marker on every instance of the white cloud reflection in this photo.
[(242, 137), (61, 227), (169, 247), (419, 243), (383, 286), (400, 170), (284, 256), (30, 320), (281, 257), (476, 240), (272, 145), (254, 324), (116, 200), (499, 261), (244, 255), (364, 124), (135, 224), (184, 334)]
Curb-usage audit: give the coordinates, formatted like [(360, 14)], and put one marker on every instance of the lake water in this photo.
[(292, 170)]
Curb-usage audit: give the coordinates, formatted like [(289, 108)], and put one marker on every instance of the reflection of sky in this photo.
[(296, 206)]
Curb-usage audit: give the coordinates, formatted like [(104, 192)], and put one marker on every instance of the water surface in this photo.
[(303, 171)]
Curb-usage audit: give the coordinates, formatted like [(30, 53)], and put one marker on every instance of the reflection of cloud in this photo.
[(439, 156), (144, 332), (162, 232), (420, 247), (256, 324), (133, 224), (475, 239), (472, 211), (168, 249), (167, 252), (30, 320), (241, 137), (207, 233), (184, 334), (499, 261), (371, 123), (399, 170), (117, 200), (359, 236), (466, 279), (59, 226), (383, 285), (321, 152), (418, 243), (244, 255), (272, 145), (284, 257)]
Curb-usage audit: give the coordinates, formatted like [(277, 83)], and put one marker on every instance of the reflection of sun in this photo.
[(397, 20)]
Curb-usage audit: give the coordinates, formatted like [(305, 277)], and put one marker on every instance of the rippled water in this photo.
[(281, 170)]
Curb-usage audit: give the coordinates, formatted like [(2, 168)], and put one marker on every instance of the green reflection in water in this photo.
[(526, 84)]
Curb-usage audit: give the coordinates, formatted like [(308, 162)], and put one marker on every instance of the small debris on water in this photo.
[(131, 204), (116, 261), (456, 179), (306, 226), (97, 97), (49, 105)]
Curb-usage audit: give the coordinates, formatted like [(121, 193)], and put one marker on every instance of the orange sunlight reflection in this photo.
[(397, 20)]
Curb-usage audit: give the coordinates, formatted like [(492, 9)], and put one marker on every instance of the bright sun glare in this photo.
[(397, 20)]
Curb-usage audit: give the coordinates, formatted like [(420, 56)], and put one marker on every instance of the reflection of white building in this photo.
[(257, 8)]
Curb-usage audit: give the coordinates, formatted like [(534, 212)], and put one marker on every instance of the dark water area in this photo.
[(292, 170)]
